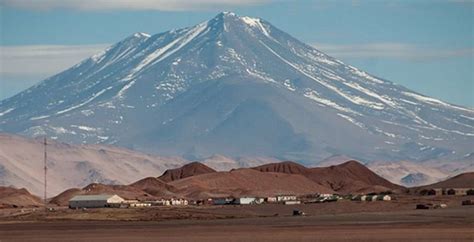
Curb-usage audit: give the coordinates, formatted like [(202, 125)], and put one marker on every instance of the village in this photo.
[(115, 201)]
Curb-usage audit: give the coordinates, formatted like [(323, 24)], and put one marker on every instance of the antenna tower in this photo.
[(45, 172)]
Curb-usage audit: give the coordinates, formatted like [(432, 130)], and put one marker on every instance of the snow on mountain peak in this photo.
[(141, 34), (190, 90)]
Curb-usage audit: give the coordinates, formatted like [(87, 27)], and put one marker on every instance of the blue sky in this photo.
[(427, 46)]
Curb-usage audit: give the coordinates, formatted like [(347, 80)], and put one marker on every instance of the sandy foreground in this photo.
[(240, 223)]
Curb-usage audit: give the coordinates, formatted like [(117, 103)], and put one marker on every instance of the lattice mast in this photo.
[(45, 172)]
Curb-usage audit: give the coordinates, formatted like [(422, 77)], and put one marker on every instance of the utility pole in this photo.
[(45, 172)]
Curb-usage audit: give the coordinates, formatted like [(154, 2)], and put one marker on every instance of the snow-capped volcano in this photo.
[(237, 86)]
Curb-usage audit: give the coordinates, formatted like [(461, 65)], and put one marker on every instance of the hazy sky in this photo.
[(427, 46)]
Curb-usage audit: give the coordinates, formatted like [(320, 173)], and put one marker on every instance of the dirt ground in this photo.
[(339, 221)]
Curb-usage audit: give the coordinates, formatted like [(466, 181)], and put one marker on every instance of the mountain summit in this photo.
[(237, 86)]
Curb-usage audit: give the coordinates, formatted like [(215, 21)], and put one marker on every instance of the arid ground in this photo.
[(343, 220)]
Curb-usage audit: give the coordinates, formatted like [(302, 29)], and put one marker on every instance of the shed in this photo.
[(244, 200), (271, 199), (222, 201), (95, 201)]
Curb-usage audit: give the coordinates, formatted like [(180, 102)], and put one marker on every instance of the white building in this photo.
[(179, 202), (139, 205), (162, 202), (244, 200), (384, 198), (95, 201), (325, 195), (271, 199), (282, 198), (292, 202)]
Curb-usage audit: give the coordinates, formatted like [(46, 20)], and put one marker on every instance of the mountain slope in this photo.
[(12, 197), (464, 180), (408, 173), (352, 177), (191, 169), (21, 164), (240, 87)]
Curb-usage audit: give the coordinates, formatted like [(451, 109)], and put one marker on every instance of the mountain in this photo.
[(464, 180), (409, 173), (191, 169), (348, 177), (21, 164), (240, 87), (13, 197)]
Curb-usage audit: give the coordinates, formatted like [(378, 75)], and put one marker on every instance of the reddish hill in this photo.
[(246, 182), (351, 177), (288, 167), (464, 180), (155, 187), (12, 197), (191, 169), (63, 198), (348, 177)]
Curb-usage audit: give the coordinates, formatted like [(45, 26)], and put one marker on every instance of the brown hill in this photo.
[(12, 197), (352, 177), (63, 198), (246, 182), (191, 169), (155, 187), (464, 180), (348, 177), (288, 167)]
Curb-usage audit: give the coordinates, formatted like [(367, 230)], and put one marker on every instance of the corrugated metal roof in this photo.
[(101, 197)]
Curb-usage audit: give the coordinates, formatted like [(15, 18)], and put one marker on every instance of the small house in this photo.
[(179, 202), (160, 202), (244, 200), (271, 199), (283, 198), (140, 205), (325, 195)]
